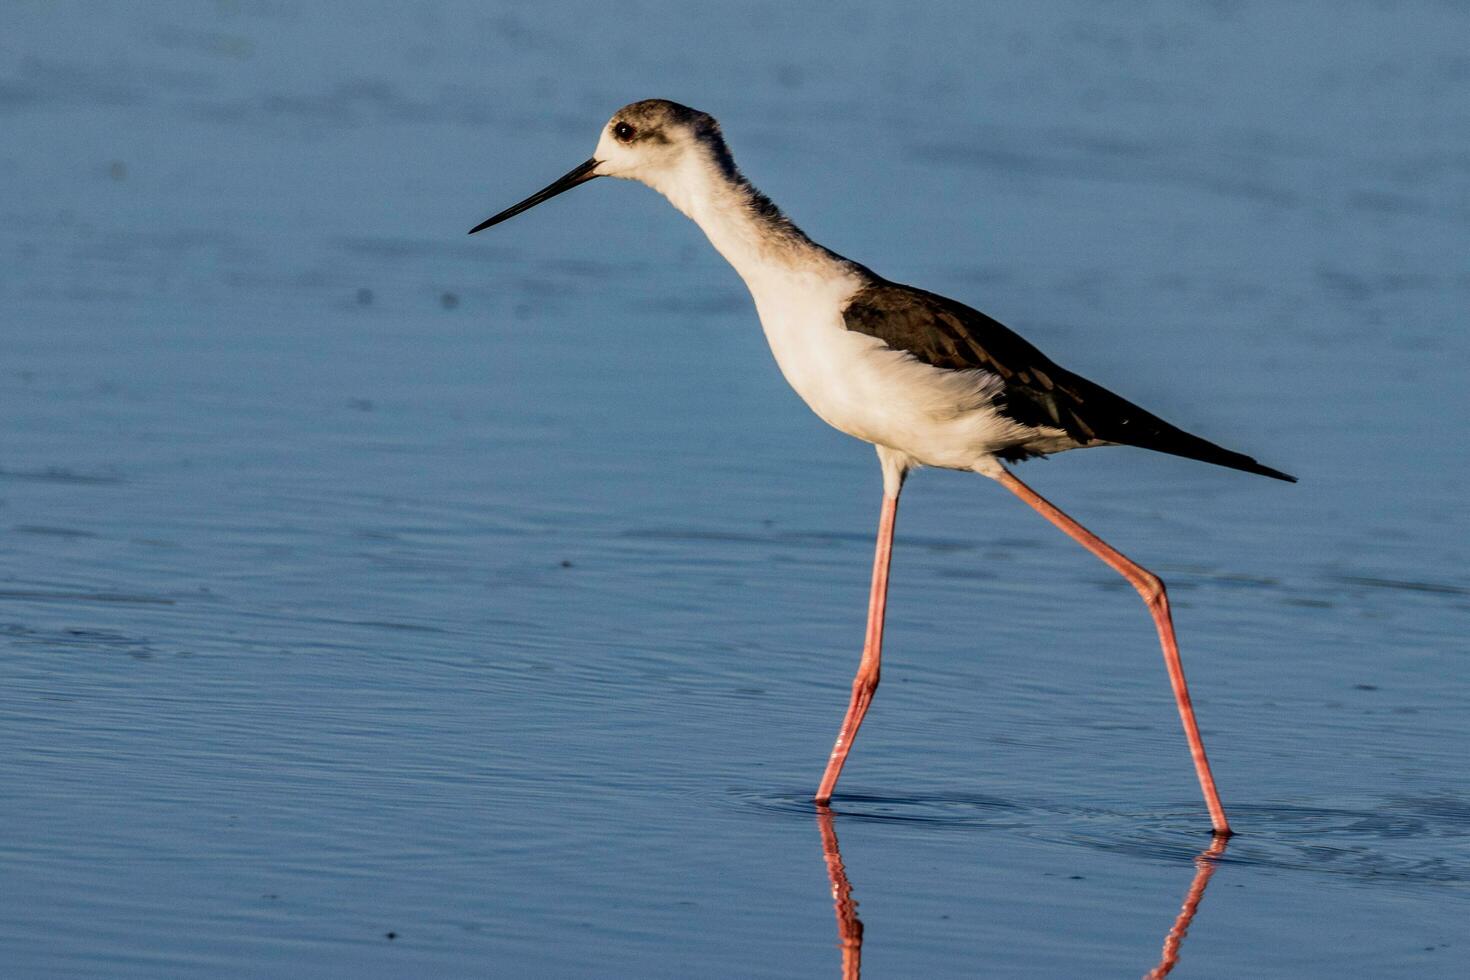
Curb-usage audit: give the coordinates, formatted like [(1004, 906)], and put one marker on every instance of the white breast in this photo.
[(860, 386), (853, 381)]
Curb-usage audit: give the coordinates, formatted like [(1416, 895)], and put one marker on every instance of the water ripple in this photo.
[(1422, 840)]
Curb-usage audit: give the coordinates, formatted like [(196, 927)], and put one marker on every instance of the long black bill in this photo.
[(580, 175)]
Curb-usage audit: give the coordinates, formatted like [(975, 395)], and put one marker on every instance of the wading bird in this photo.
[(925, 379)]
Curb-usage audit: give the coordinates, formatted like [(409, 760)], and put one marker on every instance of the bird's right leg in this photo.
[(1152, 589), (866, 681)]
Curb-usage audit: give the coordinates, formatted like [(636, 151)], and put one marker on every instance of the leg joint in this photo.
[(865, 683), (1153, 590)]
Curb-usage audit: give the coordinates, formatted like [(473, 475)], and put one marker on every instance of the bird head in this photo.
[(656, 142)]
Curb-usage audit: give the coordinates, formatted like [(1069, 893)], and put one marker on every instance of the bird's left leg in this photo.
[(866, 681), (1151, 587)]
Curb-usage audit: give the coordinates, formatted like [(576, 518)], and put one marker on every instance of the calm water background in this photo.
[(381, 602)]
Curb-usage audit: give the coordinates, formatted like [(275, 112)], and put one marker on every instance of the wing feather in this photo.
[(1037, 391)]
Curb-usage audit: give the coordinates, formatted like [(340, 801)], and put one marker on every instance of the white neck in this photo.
[(763, 245)]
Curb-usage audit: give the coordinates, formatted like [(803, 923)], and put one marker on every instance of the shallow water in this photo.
[(381, 602)]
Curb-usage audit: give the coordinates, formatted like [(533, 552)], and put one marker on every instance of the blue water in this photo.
[(381, 602)]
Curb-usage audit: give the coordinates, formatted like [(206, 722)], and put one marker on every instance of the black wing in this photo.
[(945, 334)]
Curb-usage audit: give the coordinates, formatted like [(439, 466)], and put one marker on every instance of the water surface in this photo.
[(376, 601)]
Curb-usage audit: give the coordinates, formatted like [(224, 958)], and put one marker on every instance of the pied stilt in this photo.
[(925, 379)]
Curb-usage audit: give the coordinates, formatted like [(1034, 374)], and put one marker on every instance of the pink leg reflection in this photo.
[(1204, 866), (849, 926)]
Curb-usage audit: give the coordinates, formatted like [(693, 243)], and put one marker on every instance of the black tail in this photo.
[(1168, 439), (1112, 418)]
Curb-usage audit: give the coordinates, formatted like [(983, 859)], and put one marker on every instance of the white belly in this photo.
[(858, 385)]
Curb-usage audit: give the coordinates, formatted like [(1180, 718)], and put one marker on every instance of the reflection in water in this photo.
[(850, 927), (1204, 866)]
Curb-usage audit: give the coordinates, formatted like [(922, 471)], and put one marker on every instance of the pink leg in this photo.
[(1152, 589), (866, 681)]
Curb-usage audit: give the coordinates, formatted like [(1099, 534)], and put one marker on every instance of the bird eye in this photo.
[(624, 132)]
